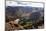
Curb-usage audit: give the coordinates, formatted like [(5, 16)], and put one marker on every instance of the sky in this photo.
[(13, 3)]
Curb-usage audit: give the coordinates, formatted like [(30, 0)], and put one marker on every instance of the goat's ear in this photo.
[(16, 21)]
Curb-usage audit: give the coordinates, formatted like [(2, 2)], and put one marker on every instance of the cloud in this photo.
[(13, 3)]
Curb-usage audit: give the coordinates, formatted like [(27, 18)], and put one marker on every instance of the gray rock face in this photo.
[(28, 14)]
